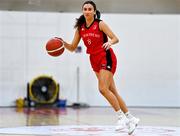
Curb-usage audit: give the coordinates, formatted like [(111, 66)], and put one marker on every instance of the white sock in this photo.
[(120, 114), (129, 115)]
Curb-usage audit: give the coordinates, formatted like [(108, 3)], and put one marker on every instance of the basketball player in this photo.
[(94, 33)]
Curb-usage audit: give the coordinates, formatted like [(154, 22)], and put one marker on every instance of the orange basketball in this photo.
[(55, 47)]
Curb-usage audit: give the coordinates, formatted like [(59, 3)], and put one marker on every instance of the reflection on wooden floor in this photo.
[(90, 130), (96, 121)]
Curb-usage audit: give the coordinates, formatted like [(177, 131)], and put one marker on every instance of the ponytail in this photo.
[(98, 14), (79, 22)]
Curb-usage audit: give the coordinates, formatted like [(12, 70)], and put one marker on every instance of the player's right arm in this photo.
[(72, 47)]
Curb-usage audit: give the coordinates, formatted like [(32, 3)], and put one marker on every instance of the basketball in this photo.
[(54, 47)]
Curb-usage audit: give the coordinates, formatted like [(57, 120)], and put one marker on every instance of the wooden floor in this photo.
[(18, 117)]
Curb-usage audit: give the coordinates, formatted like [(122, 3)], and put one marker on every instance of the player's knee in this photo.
[(112, 89), (103, 89)]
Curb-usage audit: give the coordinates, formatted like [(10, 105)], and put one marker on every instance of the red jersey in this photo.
[(93, 37)]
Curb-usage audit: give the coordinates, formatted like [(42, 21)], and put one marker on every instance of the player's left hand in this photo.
[(107, 45)]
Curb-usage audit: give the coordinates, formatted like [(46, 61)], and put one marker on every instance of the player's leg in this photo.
[(122, 104), (104, 80), (133, 122)]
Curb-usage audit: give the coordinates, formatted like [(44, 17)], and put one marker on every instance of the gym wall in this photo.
[(148, 57)]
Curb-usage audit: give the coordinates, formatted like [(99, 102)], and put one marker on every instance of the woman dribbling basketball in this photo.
[(94, 33)]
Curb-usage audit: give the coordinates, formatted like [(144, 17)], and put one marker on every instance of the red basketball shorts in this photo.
[(104, 60)]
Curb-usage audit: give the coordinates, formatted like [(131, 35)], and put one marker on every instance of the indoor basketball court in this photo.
[(96, 121), (78, 122), (49, 84)]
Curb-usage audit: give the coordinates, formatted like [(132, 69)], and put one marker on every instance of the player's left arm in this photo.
[(105, 28)]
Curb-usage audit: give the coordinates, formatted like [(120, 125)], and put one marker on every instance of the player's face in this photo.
[(88, 11)]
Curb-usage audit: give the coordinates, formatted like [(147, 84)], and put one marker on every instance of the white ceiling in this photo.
[(106, 6)]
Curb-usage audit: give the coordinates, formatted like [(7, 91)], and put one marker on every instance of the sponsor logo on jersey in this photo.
[(94, 27), (108, 67)]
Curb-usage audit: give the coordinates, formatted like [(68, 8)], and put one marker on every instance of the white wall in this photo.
[(148, 57), (179, 55)]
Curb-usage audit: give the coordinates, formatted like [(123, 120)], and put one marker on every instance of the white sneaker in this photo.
[(122, 123), (133, 123)]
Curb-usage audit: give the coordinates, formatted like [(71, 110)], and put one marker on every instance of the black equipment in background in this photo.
[(42, 91)]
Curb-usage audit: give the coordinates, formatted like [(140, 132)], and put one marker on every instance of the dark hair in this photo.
[(81, 19)]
